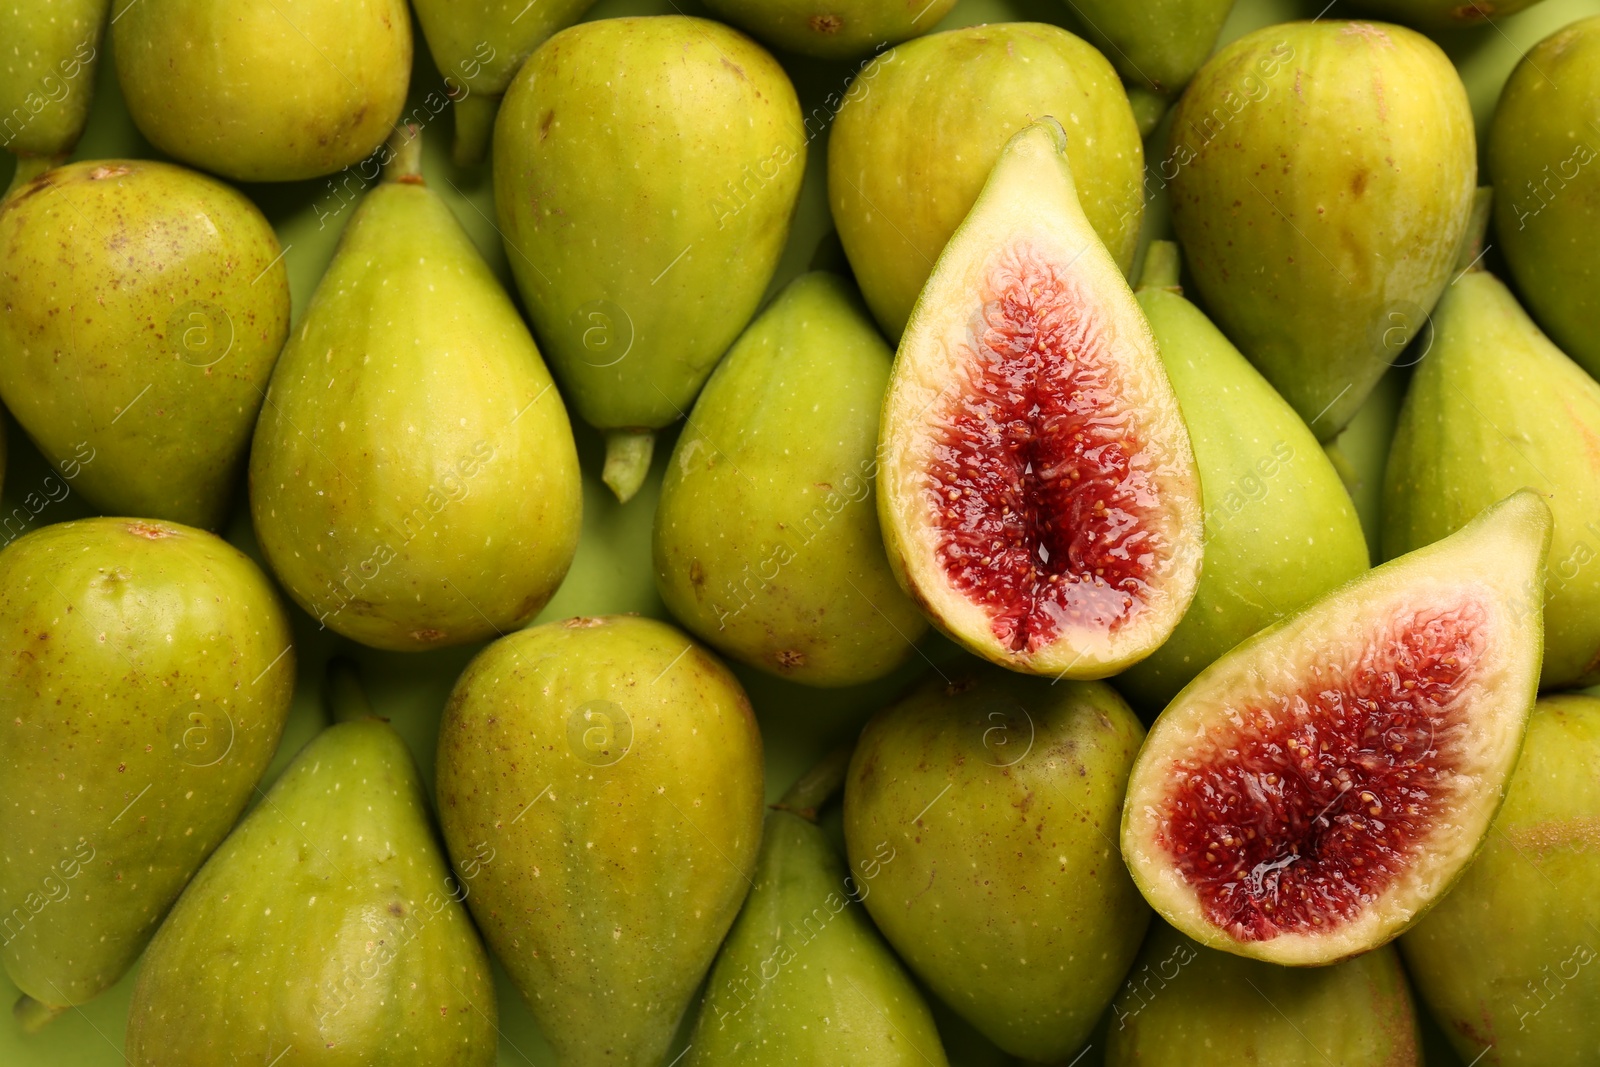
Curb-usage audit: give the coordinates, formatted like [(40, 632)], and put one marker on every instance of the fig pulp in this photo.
[(1316, 789), (1507, 962), (1156, 44), (1037, 491), (1322, 181), (47, 75), (980, 817)]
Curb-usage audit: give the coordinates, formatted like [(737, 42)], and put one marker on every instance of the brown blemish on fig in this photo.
[(583, 622), (150, 531), (428, 635), (790, 659), (827, 24), (114, 170)]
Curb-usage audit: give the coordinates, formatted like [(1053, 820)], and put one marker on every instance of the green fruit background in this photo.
[(613, 572)]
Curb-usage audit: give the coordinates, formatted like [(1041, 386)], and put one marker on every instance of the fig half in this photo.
[(1037, 491), (1314, 791)]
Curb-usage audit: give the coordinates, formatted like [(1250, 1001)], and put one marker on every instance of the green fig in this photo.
[(804, 976), (328, 928), (1444, 14), (413, 479), (831, 29), (1280, 529), (766, 537), (1188, 1006), (47, 69), (1344, 150), (980, 815), (636, 161), (144, 308), (1038, 493), (264, 90), (1315, 790), (1156, 44), (1361, 451), (148, 669), (616, 768), (922, 126), (1504, 961), (1544, 145)]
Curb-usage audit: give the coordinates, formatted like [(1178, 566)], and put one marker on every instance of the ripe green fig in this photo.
[(616, 769), (413, 480), (1280, 530), (1319, 787), (1038, 494), (327, 926), (766, 538), (924, 124), (1156, 44), (264, 90), (1504, 961), (148, 669), (830, 29), (1543, 153), (1188, 1006), (145, 306), (636, 159), (47, 69), (1444, 14), (1361, 451), (1345, 151), (980, 815)]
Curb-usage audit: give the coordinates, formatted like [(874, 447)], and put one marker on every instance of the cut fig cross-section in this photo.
[(1037, 489), (1310, 794)]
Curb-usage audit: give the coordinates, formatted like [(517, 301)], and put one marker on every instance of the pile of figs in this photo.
[(1142, 476)]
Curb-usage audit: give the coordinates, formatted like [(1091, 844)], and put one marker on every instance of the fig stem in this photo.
[(475, 115), (403, 155), (1161, 265), (628, 455), (813, 789), (1471, 254), (343, 694), (32, 1016), (29, 168)]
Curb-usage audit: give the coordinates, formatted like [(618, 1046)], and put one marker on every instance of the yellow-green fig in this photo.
[(923, 125), (645, 173), (616, 769), (832, 29), (1156, 44), (766, 538), (413, 479), (48, 61), (1444, 14)]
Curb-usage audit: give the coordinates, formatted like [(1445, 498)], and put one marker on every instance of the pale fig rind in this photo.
[(47, 76)]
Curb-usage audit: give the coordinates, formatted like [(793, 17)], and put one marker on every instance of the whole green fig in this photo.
[(645, 173), (831, 29), (1156, 44), (148, 669), (1444, 14), (1361, 450), (1321, 182), (766, 537), (47, 69), (144, 307)]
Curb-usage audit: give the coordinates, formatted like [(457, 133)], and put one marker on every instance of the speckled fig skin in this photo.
[(328, 923), (142, 307), (923, 125), (1188, 1006), (1156, 44), (1323, 182), (766, 538), (1443, 14), (981, 814), (264, 90), (615, 768), (148, 669), (832, 29), (47, 73), (1506, 962), (1544, 157)]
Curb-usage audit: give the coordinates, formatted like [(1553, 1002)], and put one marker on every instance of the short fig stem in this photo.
[(816, 787), (628, 455), (1471, 255), (29, 168), (403, 162), (1161, 263), (475, 115), (342, 693), (33, 1016)]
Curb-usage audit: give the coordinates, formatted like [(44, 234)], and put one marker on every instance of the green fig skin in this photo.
[(168, 651), (621, 734), (264, 90), (1543, 149), (328, 923), (1443, 14), (1189, 1006), (635, 159), (766, 538), (1344, 150), (47, 73), (1504, 962), (1361, 451), (923, 125), (1492, 407), (804, 976), (142, 307), (1280, 528), (981, 814), (824, 29), (414, 481), (1158, 44)]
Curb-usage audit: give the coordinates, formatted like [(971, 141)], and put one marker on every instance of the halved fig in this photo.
[(1315, 790), (1037, 490)]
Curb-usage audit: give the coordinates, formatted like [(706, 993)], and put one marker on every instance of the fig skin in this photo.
[(1189, 1006), (1544, 157), (1344, 151), (924, 124), (1156, 44), (831, 29), (1505, 962), (980, 816), (766, 538), (1361, 451), (47, 81), (1443, 14)]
